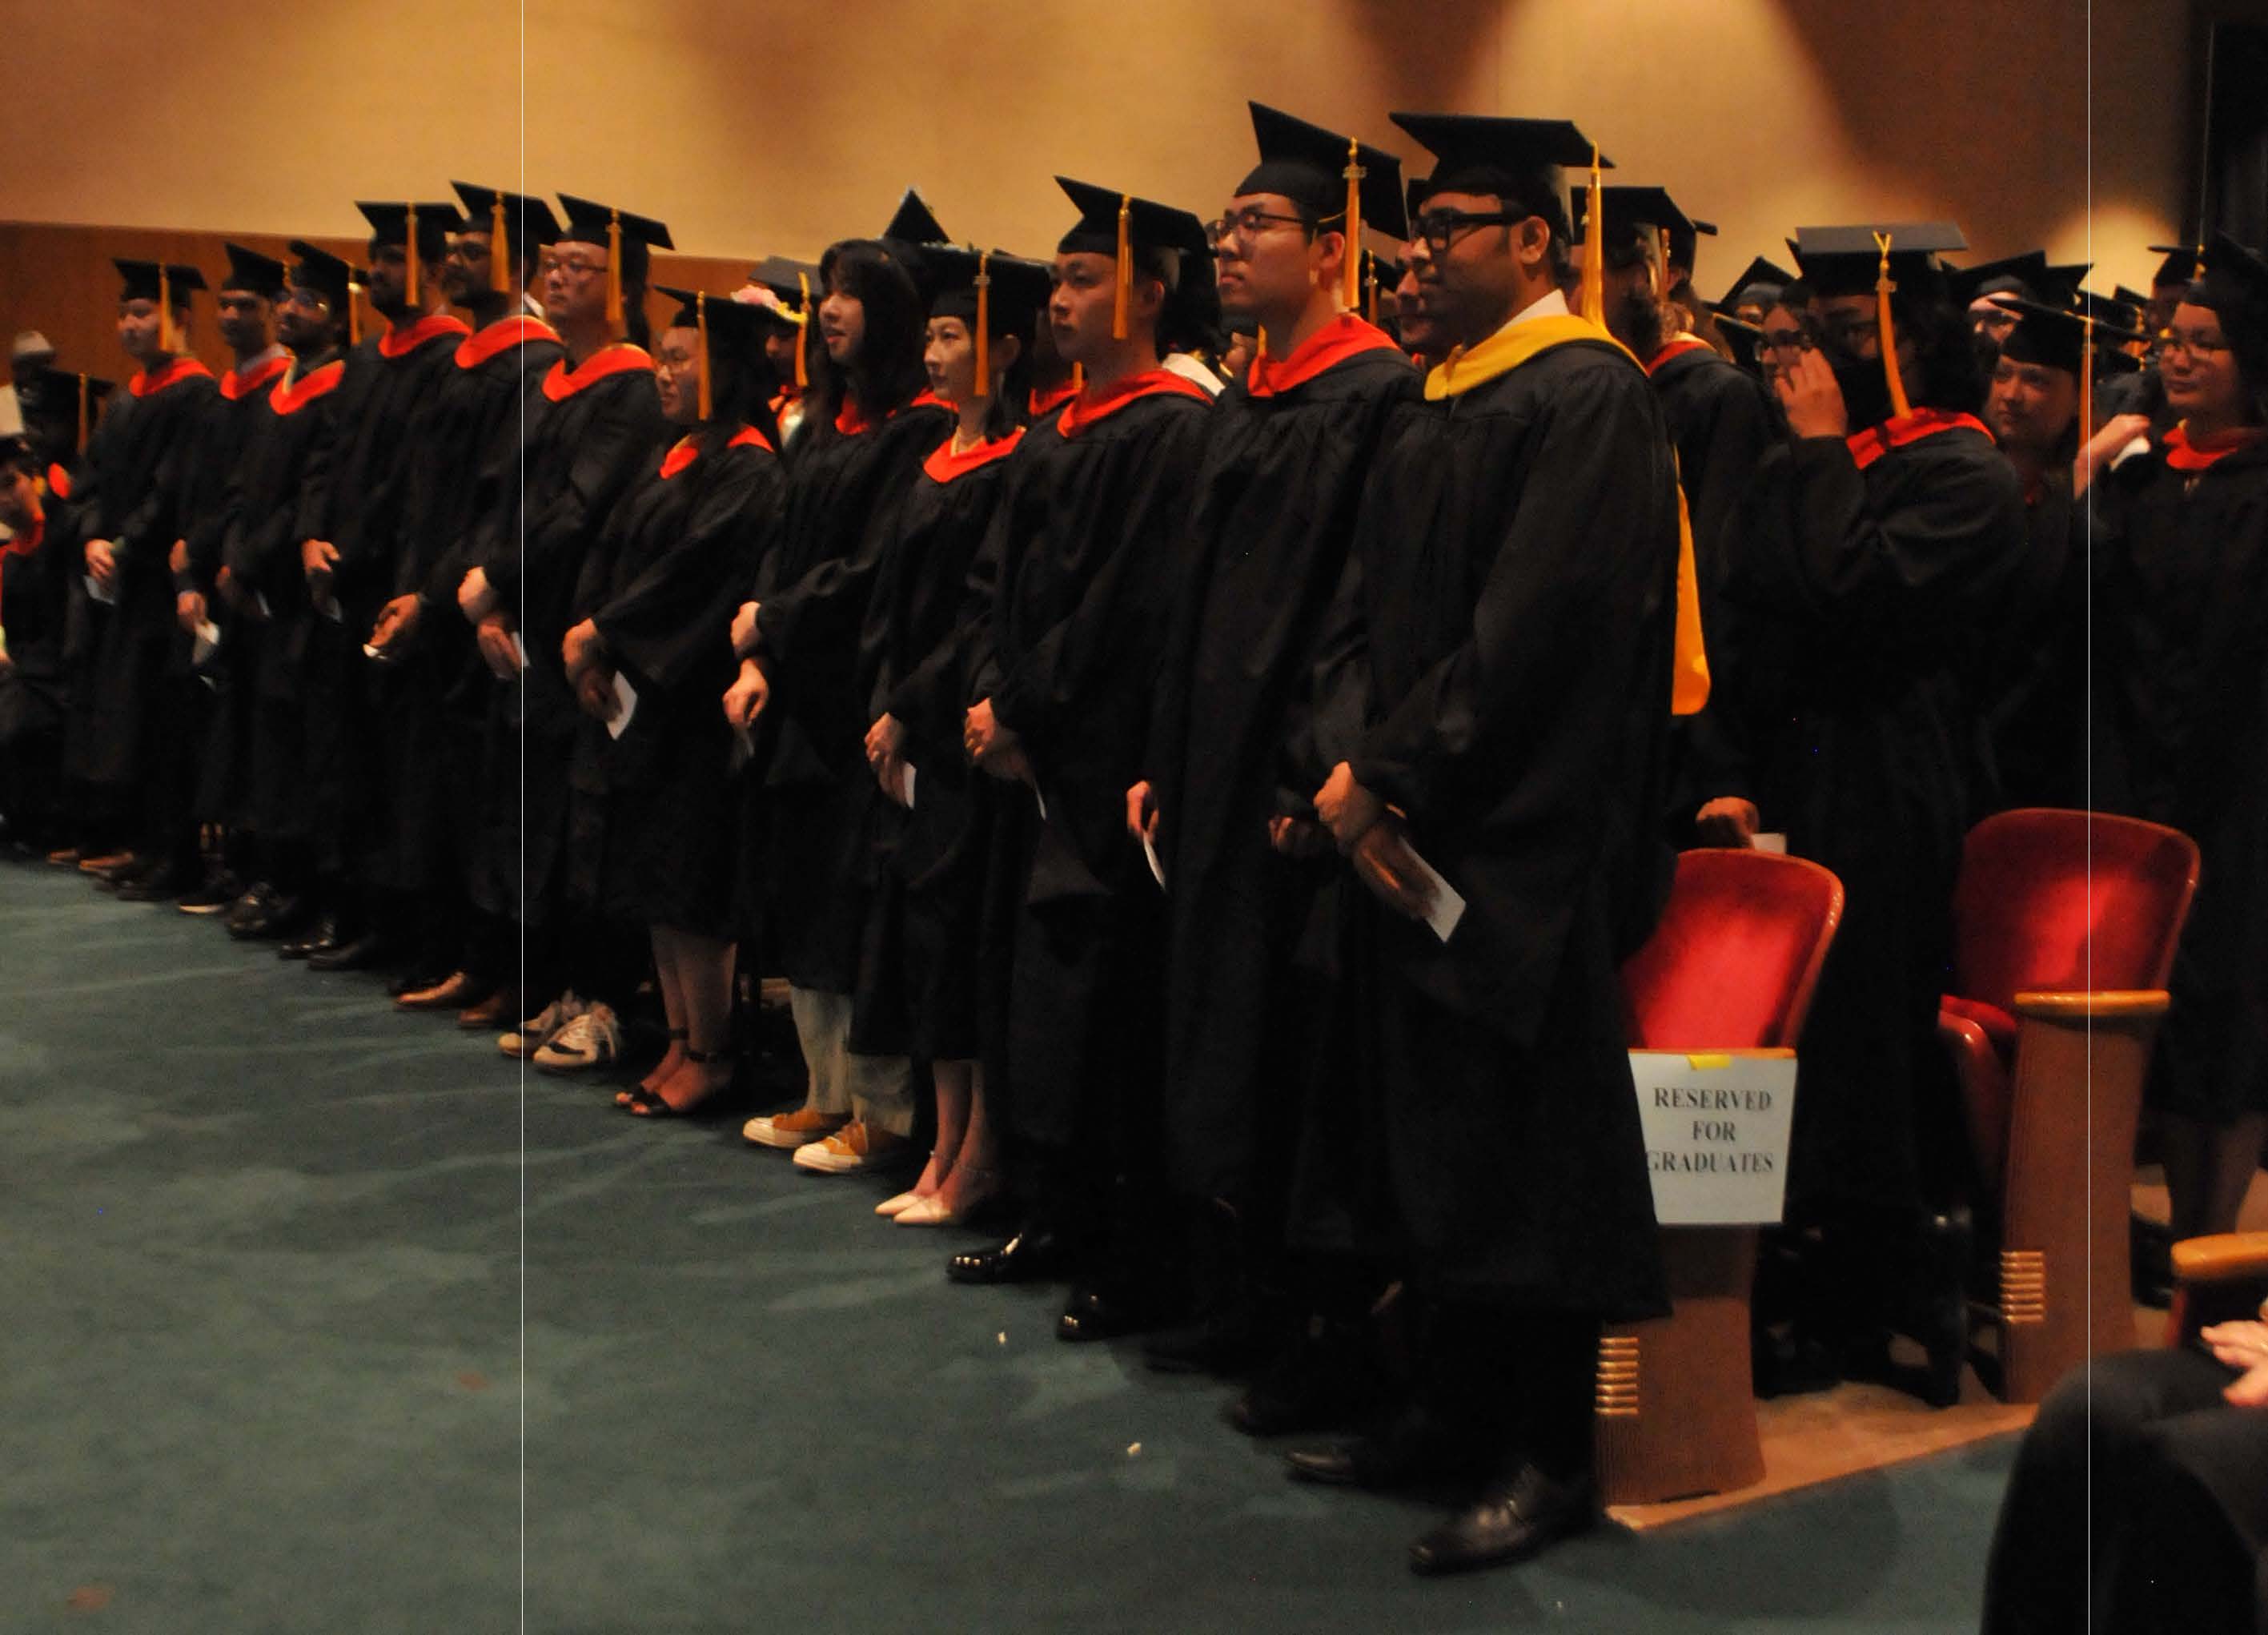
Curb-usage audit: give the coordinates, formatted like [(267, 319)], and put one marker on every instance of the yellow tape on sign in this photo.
[(1702, 1064)]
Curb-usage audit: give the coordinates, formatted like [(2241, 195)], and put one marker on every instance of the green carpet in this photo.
[(274, 1362)]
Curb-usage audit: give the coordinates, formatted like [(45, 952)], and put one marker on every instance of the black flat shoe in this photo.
[(1510, 1522), (357, 953), (162, 886), (1095, 1312), (320, 937), (1035, 1252), (1412, 1449)]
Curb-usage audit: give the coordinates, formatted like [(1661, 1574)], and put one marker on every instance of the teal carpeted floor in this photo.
[(273, 1361)]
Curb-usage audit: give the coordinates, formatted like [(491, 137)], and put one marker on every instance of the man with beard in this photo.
[(239, 413), (1275, 499), (116, 747), (1511, 602), (278, 502), (461, 462), (391, 381), (1870, 560)]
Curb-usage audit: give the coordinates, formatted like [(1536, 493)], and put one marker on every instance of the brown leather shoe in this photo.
[(489, 1012), (65, 856), (452, 992), (108, 862)]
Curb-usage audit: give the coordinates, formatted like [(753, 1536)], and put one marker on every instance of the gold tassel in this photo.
[(409, 261), (1354, 174), (499, 249), (614, 267), (1370, 269), (1125, 270), (1078, 377), (1889, 339), (1260, 346), (983, 324), (167, 340), (1661, 277), (2086, 378), (1591, 300), (803, 332), (354, 313), (701, 321), (82, 413), (1689, 680)]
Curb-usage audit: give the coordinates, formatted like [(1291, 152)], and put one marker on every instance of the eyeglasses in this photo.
[(1248, 223), (1848, 328), (1438, 230), (573, 266), (2195, 344), (1788, 341)]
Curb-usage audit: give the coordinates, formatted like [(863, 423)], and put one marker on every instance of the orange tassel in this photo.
[(1354, 174), (1260, 345), (1662, 280), (614, 267), (1125, 270), (82, 413), (701, 319), (167, 340), (983, 324), (802, 332), (1370, 271), (499, 249), (1078, 377), (2086, 378), (1591, 300), (409, 261), (1889, 339), (354, 313)]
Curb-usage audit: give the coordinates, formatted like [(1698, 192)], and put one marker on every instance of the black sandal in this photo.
[(645, 1104), (637, 1093)]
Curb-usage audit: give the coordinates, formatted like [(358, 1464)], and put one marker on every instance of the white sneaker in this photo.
[(593, 1039), (539, 1030)]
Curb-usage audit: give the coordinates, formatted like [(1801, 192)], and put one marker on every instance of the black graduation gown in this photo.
[(931, 901), (135, 511), (463, 463), (1084, 550), (599, 430), (2181, 715), (1276, 500), (240, 413), (655, 836), (2035, 725), (808, 815), (277, 503), (1514, 574), (1858, 603), (35, 581)]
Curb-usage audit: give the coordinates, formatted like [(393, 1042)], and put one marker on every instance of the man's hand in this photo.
[(1728, 822), (2242, 1345), (102, 564), (983, 737), (1297, 838), (581, 649), (1346, 808), (177, 560), (1813, 398), (236, 596), (744, 629), (1142, 812), (745, 698), (1005, 761), (189, 610), (493, 633), (595, 694), (1383, 861), (321, 559), (2105, 446), (476, 598), (397, 622), (886, 745)]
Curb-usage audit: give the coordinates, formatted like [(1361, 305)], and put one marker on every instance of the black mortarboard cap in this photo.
[(2121, 311), (318, 269), (914, 223), (249, 270), (2024, 275), (2179, 267), (2063, 280), (141, 281), (1844, 260), (735, 327), (1745, 339), (2234, 285), (389, 224), (1685, 242), (2053, 337), (587, 223), (83, 392), (1308, 165), (2133, 298), (1516, 158), (1019, 288), (785, 278), (1634, 210), (1150, 226), (1769, 275), (528, 224)]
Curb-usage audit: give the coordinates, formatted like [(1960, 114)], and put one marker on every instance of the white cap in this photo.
[(12, 412), (30, 344)]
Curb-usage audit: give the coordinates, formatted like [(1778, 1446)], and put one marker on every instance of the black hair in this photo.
[(637, 328), (887, 372), (1524, 193), (2245, 328), (1190, 319), (17, 454), (1944, 344)]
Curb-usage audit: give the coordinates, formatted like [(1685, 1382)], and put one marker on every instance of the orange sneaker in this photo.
[(857, 1145), (793, 1129)]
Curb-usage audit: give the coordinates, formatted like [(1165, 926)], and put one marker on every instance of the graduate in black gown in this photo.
[(240, 413), (931, 829), (37, 563), (77, 401), (807, 879), (1084, 558), (392, 381), (276, 502), (1285, 453), (1513, 581), (463, 463), (128, 533), (1868, 568), (653, 830), (784, 291), (600, 428), (2180, 557)]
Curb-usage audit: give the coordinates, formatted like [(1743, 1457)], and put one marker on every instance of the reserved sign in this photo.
[(1716, 1134)]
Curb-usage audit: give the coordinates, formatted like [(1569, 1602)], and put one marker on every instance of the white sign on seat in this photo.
[(1716, 1134)]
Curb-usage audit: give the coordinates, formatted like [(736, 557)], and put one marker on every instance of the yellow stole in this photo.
[(1467, 367)]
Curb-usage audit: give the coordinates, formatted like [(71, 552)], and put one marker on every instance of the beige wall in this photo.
[(757, 127)]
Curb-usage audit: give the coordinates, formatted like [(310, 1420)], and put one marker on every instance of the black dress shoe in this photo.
[(321, 936), (159, 886), (1095, 1312), (357, 953), (1510, 1522), (1036, 1252), (1329, 1376), (417, 979), (1414, 1447)]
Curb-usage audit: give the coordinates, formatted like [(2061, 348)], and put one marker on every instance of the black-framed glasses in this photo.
[(1786, 340), (1248, 223), (2195, 344), (1849, 328), (1438, 230)]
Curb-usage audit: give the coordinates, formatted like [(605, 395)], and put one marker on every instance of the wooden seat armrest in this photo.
[(2080, 1005), (2225, 1257)]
